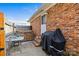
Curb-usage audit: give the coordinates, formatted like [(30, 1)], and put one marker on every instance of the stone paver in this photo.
[(28, 49)]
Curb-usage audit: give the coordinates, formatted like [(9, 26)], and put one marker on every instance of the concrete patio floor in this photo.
[(27, 49)]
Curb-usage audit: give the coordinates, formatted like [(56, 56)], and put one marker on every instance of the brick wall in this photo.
[(66, 17), (36, 25)]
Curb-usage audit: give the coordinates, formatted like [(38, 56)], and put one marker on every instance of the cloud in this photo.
[(24, 22), (10, 20)]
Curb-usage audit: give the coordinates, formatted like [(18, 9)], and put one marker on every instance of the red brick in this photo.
[(67, 18)]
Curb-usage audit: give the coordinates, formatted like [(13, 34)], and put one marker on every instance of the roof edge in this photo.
[(44, 7)]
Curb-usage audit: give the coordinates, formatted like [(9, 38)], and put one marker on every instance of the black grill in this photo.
[(53, 42)]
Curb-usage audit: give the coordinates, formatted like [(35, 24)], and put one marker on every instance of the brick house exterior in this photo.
[(63, 16), (36, 26)]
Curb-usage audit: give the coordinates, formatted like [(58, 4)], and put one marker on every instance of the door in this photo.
[(43, 24), (2, 35), (2, 43)]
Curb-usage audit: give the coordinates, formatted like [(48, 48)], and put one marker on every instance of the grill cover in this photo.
[(53, 38), (58, 40)]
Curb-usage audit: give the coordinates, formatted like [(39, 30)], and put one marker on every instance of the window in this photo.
[(43, 19)]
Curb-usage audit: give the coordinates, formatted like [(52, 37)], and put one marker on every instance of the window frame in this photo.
[(43, 18)]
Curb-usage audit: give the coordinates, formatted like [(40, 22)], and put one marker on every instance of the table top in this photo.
[(14, 38)]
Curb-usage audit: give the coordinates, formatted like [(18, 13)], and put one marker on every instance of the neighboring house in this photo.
[(61, 15)]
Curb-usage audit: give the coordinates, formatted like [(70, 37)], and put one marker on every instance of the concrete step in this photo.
[(38, 40), (36, 44)]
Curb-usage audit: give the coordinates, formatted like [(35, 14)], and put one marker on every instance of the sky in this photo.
[(19, 12)]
